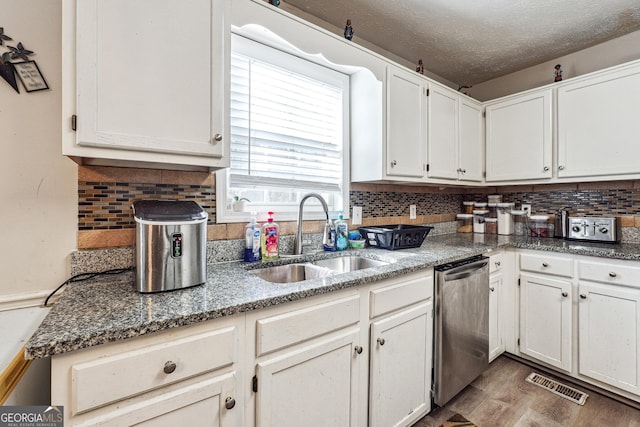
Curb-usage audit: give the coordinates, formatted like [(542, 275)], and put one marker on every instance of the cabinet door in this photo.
[(443, 133), (609, 334), (406, 117), (471, 141), (150, 75), (210, 401), (315, 385), (519, 137), (496, 344), (598, 125), (401, 362), (545, 320)]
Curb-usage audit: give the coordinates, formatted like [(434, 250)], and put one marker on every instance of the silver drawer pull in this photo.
[(492, 289), (565, 294), (544, 264), (381, 341), (613, 274), (583, 296), (358, 349), (169, 367), (497, 263)]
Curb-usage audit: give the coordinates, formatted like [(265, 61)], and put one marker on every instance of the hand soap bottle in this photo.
[(270, 236), (252, 233), (342, 234)]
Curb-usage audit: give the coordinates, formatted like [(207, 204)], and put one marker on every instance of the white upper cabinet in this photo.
[(519, 137), (406, 119), (471, 140), (455, 143), (147, 80), (443, 147), (598, 124)]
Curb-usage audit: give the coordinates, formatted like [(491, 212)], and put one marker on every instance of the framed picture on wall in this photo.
[(30, 76)]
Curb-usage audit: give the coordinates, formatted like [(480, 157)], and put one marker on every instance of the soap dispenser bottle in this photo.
[(329, 236), (342, 234), (270, 236), (252, 233)]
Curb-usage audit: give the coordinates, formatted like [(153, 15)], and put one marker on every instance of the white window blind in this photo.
[(286, 121)]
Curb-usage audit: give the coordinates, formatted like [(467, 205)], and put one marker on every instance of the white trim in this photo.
[(23, 300)]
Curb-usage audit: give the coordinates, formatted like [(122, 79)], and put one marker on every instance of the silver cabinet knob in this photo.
[(358, 349), (492, 289), (169, 367), (565, 294), (393, 163), (217, 137), (545, 265), (381, 341), (546, 168), (583, 296), (497, 263), (229, 402), (613, 274), (560, 167)]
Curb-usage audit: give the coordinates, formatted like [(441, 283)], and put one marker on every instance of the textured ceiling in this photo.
[(471, 41)]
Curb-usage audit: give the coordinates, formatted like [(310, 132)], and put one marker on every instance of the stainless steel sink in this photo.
[(346, 264), (291, 273)]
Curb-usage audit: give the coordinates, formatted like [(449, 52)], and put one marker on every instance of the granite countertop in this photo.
[(110, 309)]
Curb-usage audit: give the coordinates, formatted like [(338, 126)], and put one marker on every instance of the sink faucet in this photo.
[(297, 246)]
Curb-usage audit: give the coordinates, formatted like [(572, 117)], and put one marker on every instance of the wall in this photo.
[(604, 55), (37, 184)]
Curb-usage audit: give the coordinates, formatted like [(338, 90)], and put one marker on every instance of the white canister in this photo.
[(506, 224), (478, 220)]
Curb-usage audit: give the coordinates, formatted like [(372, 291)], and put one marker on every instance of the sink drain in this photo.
[(570, 393)]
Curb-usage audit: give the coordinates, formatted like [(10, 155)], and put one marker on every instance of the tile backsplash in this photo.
[(105, 196)]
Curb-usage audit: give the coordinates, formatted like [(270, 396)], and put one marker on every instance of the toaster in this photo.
[(595, 229)]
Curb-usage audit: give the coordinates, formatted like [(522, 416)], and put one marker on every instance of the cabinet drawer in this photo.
[(628, 275), (546, 264), (276, 332), (495, 263), (389, 298), (118, 376)]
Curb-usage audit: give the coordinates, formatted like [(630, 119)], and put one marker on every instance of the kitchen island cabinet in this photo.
[(135, 95)]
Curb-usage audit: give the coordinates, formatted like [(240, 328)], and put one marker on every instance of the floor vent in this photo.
[(576, 396)]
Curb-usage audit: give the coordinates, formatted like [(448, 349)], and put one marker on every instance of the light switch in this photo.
[(356, 215), (412, 212)]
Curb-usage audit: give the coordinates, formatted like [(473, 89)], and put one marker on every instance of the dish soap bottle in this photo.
[(329, 236), (270, 235), (342, 234), (252, 232)]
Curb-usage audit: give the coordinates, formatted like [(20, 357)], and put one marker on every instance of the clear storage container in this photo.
[(465, 223), (468, 207), (506, 224), (494, 198), (539, 225), (479, 216), (491, 225)]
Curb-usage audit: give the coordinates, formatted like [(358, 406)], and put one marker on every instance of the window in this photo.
[(289, 133)]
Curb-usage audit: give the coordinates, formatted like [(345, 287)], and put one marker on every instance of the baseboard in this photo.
[(24, 300)]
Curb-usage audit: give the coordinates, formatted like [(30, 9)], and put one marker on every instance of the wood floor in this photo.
[(502, 397)]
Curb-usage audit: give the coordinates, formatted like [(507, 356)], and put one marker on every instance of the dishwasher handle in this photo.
[(464, 271)]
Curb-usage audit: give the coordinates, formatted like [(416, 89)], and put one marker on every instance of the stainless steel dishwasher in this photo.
[(461, 326)]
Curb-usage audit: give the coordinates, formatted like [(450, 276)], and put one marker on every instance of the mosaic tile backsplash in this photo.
[(107, 205)]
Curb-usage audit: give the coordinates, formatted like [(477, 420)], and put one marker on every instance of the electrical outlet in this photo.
[(356, 215), (412, 212), (526, 207)]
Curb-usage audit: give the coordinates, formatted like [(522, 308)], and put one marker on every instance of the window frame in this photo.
[(287, 55)]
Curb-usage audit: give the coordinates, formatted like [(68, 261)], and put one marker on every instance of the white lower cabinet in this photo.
[(545, 320), (188, 376), (496, 342), (400, 376)]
